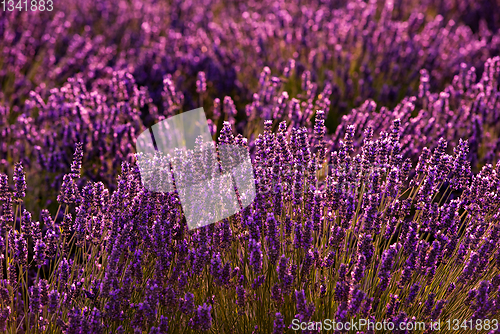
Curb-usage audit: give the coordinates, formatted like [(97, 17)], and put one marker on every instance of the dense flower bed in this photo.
[(375, 239)]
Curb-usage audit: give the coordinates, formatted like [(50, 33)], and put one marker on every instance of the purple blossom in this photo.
[(357, 297), (19, 183), (279, 324), (368, 214), (412, 294), (187, 305), (255, 255), (4, 187), (202, 319), (258, 281), (359, 269), (429, 304), (76, 165), (69, 191), (201, 83)]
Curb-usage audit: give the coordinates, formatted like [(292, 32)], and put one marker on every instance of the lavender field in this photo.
[(374, 133)]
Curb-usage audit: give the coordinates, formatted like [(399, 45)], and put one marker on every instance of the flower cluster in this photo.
[(371, 244)]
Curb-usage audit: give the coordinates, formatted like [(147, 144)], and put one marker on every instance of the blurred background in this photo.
[(100, 72)]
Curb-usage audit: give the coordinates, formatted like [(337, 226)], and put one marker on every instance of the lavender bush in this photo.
[(378, 239), (374, 133), (67, 70)]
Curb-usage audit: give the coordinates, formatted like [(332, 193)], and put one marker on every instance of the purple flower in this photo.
[(359, 269), (20, 249), (349, 135), (393, 305), (255, 255), (76, 165), (139, 318), (297, 241), (412, 294), (26, 224), (258, 281), (272, 239), (69, 191), (365, 247), (342, 286), (19, 183), (44, 292), (392, 183), (386, 267), (52, 238), (64, 272), (4, 295), (216, 265), (319, 132), (35, 302), (436, 313), (307, 264), (253, 228), (329, 260), (282, 267), (54, 298), (4, 315), (469, 268), (429, 304), (12, 273), (187, 304), (40, 249), (357, 297), (277, 294), (307, 235), (225, 274), (461, 166), (240, 299), (402, 317), (163, 324), (300, 298), (201, 83), (95, 322), (74, 323), (482, 305)]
